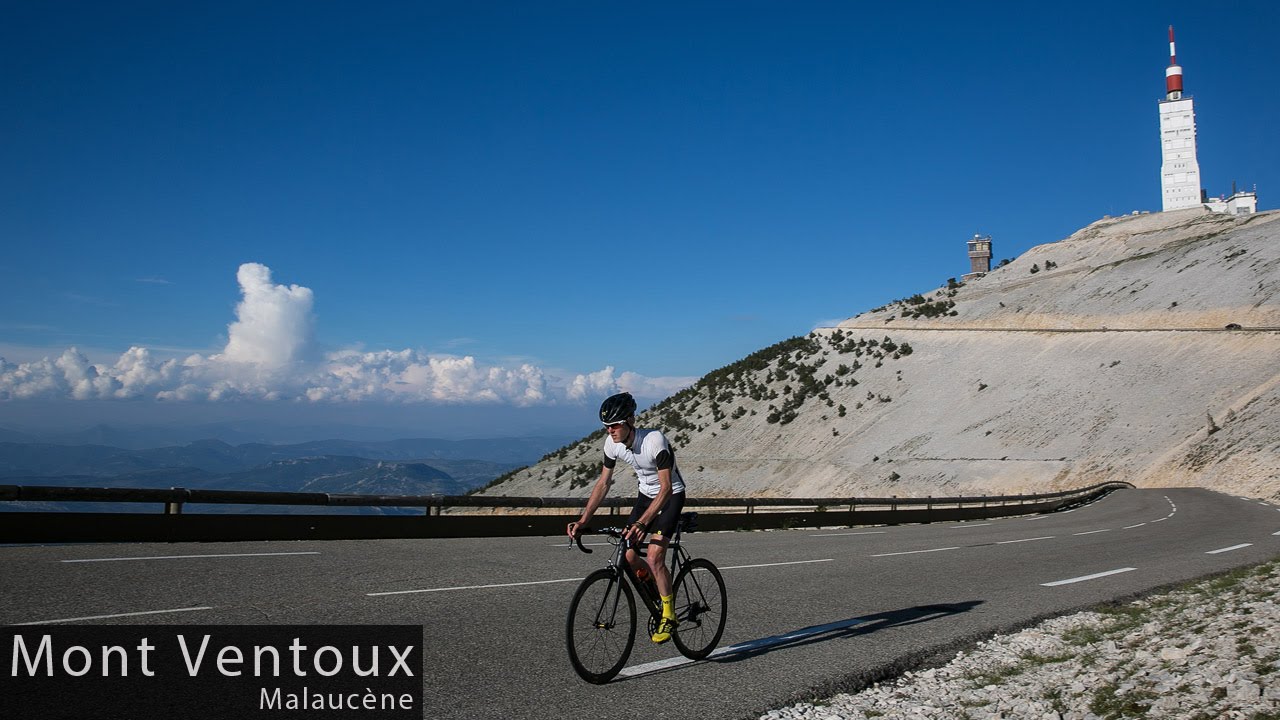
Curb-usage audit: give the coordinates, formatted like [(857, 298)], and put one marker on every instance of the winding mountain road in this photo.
[(810, 610)]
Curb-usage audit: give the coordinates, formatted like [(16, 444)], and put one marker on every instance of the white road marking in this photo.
[(1130, 527), (1010, 542), (1275, 533), (1038, 517), (186, 557), (793, 562), (560, 580), (472, 587), (1228, 549), (748, 646), (915, 552), (1161, 519), (869, 532), (1092, 532), (116, 615), (1086, 577), (961, 527)]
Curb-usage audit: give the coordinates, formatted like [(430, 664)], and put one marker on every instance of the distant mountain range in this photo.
[(421, 466)]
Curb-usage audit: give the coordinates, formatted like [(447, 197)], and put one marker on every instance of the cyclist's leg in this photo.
[(657, 555), (633, 558), (664, 526)]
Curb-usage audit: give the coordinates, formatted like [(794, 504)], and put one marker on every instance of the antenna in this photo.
[(1173, 74)]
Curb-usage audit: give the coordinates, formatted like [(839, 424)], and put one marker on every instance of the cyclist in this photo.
[(658, 502)]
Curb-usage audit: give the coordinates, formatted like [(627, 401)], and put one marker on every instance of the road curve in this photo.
[(811, 611)]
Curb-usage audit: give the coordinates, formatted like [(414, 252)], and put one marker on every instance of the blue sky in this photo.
[(497, 205)]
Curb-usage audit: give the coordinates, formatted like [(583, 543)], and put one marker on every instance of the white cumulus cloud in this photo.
[(271, 355), (274, 324)]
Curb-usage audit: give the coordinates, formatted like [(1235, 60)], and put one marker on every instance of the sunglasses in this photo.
[(614, 425)]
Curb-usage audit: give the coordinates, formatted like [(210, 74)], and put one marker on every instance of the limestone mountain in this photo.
[(1143, 348)]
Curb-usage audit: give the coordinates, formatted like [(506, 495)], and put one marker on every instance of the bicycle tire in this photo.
[(702, 607), (598, 643)]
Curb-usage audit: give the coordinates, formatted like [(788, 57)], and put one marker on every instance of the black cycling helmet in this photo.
[(617, 408)]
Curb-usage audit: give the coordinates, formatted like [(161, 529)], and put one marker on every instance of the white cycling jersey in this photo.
[(642, 455)]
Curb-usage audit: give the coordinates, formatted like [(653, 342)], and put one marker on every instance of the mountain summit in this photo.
[(1141, 348)]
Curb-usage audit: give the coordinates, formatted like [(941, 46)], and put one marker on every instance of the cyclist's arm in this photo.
[(603, 483)]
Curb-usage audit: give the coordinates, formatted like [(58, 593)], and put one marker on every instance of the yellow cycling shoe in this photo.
[(665, 628)]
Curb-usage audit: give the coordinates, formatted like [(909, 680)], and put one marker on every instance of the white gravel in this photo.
[(1209, 650)]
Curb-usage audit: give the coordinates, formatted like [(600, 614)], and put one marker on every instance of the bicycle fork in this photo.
[(607, 613)]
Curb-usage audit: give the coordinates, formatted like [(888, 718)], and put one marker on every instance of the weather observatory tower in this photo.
[(1179, 171), (979, 255)]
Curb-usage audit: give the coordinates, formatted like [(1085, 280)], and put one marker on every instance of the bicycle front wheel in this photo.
[(601, 627), (702, 607)]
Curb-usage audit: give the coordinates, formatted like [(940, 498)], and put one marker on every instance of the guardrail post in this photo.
[(894, 505), (173, 507)]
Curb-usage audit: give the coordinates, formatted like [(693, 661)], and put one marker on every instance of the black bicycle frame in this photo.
[(652, 603)]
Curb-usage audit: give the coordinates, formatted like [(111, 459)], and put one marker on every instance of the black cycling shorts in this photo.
[(665, 523)]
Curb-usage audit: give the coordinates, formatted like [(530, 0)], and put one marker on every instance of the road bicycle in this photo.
[(601, 627)]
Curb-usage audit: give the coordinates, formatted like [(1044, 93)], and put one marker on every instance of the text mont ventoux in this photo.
[(229, 660)]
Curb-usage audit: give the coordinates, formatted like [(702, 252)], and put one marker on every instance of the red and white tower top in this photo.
[(1173, 74)]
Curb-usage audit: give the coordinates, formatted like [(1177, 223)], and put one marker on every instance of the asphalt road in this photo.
[(810, 611)]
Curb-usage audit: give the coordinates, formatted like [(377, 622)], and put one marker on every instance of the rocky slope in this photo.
[(1209, 650), (1106, 355)]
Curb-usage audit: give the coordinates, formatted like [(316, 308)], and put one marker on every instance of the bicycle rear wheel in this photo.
[(702, 607), (601, 627)]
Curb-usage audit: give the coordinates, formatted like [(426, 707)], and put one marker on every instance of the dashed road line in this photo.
[(1228, 549), (1130, 527), (916, 552), (495, 586), (186, 557), (1090, 532), (471, 587), (1083, 578), (961, 527), (115, 615), (1010, 542), (793, 562), (869, 532)]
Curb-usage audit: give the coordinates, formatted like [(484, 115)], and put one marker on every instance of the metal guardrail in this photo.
[(175, 498), (736, 513)]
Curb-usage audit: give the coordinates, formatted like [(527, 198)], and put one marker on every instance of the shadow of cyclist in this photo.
[(842, 629)]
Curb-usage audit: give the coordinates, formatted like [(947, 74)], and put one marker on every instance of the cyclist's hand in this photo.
[(635, 532), (574, 529)]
